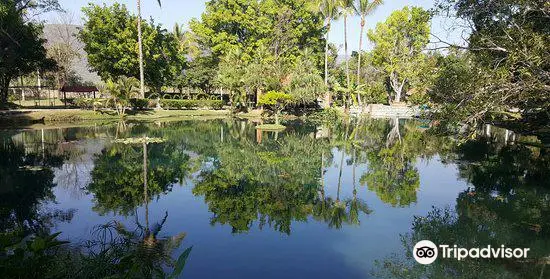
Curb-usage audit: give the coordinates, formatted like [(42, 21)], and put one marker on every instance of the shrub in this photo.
[(191, 104), (328, 115), (139, 103), (69, 101), (83, 103), (87, 103)]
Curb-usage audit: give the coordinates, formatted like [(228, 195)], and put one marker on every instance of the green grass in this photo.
[(271, 127), (31, 104), (62, 116)]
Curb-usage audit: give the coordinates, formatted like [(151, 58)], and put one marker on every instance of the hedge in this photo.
[(139, 103), (86, 103), (190, 104), (136, 104)]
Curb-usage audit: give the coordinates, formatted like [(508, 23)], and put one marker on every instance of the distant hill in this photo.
[(55, 33)]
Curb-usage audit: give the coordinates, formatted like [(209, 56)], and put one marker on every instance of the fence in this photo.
[(49, 97), (35, 96)]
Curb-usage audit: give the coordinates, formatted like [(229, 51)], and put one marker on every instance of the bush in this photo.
[(69, 101), (83, 103), (328, 115), (139, 103), (191, 104), (86, 103)]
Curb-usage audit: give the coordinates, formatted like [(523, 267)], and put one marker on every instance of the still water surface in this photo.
[(315, 201)]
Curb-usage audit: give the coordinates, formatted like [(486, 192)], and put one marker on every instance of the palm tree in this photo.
[(347, 7), (330, 11), (121, 91), (140, 47), (363, 9)]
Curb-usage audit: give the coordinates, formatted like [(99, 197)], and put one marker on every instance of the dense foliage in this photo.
[(110, 39), (399, 45), (23, 50), (505, 72), (255, 43)]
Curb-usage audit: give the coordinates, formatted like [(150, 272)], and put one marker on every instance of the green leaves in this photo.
[(22, 47), (110, 41), (41, 244), (399, 45), (505, 66), (254, 43), (180, 263), (275, 98)]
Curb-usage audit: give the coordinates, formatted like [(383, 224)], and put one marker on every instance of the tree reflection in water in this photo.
[(507, 204), (29, 250), (277, 182), (140, 253)]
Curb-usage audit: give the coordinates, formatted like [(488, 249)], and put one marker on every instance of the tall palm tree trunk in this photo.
[(322, 176), (140, 47), (327, 94), (359, 57), (347, 60), (145, 186), (346, 48), (340, 176)]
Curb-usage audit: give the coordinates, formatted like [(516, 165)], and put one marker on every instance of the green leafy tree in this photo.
[(277, 101), (399, 45), (507, 52), (305, 83), (124, 192), (230, 73), (201, 73), (109, 37), (284, 27), (261, 73), (22, 47), (347, 6), (363, 8), (140, 50), (121, 91), (330, 11), (505, 204), (268, 34)]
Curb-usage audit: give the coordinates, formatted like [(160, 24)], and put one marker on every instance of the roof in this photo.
[(79, 89)]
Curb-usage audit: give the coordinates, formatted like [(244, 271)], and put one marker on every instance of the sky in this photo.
[(182, 11)]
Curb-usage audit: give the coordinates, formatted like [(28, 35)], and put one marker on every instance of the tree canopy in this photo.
[(23, 50), (110, 38), (399, 43), (506, 57)]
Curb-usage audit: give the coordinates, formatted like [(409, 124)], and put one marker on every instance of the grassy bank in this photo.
[(63, 116)]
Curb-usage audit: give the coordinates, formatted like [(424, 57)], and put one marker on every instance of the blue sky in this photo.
[(181, 11)]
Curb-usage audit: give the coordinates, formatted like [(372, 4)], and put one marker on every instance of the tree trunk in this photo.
[(258, 95), (140, 47), (277, 117), (347, 101), (327, 94), (322, 190), (4, 89), (340, 176), (359, 57), (396, 86), (394, 133), (145, 187), (346, 49)]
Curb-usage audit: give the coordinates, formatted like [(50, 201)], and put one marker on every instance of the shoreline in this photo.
[(56, 118)]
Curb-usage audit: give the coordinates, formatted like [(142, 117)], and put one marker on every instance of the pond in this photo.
[(221, 199)]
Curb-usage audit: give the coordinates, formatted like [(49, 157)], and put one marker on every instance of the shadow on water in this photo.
[(256, 180)]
